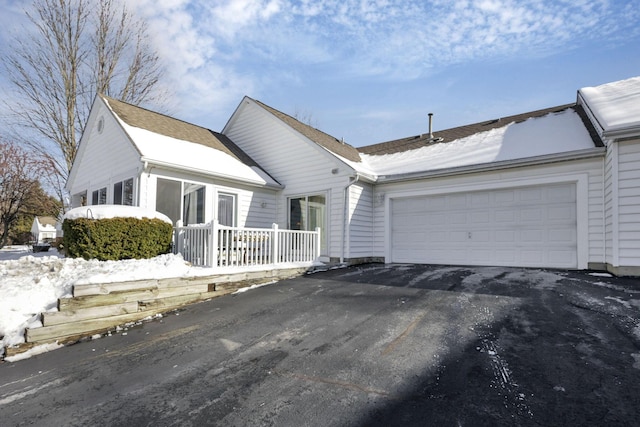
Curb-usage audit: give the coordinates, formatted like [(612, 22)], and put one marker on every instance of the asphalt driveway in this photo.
[(362, 346)]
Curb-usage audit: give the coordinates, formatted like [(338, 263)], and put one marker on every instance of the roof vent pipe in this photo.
[(430, 125)]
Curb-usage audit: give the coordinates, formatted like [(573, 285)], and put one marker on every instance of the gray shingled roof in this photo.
[(165, 125), (323, 139), (448, 135)]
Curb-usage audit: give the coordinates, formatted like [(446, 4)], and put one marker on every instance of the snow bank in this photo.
[(31, 285), (114, 211)]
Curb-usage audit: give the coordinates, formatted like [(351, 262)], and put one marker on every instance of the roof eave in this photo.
[(622, 133), (505, 164), (224, 177)]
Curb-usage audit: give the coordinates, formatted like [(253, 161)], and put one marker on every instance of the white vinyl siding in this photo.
[(629, 203), (610, 191), (302, 166), (107, 158), (360, 231)]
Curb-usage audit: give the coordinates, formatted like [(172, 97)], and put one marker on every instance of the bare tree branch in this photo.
[(75, 51)]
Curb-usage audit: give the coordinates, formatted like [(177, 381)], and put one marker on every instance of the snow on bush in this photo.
[(114, 211)]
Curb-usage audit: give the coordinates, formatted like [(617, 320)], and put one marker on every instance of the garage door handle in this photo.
[(469, 235)]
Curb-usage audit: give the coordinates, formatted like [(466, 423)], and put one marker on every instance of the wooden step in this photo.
[(88, 301)]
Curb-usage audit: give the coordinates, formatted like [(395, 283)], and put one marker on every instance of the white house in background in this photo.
[(558, 187), (43, 229)]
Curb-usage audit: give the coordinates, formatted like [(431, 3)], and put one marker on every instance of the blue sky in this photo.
[(371, 70)]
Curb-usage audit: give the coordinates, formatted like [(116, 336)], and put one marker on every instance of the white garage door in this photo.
[(527, 227)]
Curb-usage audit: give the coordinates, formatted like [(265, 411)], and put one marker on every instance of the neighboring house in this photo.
[(556, 188), (43, 229)]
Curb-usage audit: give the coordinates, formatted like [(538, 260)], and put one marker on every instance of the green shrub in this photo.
[(116, 238)]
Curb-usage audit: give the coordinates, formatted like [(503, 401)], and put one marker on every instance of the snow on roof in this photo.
[(551, 134), (616, 105), (171, 151), (157, 148), (114, 211)]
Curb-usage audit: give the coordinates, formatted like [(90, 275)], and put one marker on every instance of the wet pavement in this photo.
[(360, 346)]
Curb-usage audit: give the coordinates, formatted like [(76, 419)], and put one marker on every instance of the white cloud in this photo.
[(233, 47)]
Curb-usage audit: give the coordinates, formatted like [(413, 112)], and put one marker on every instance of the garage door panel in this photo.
[(458, 218), (560, 257), (531, 226), (480, 199), (458, 236), (531, 236), (438, 219), (482, 217), (481, 236), (561, 236), (532, 214), (457, 201), (503, 196), (561, 213), (505, 236), (530, 195), (437, 237), (505, 257), (561, 193), (505, 216)]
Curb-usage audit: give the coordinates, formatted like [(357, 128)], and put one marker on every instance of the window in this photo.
[(99, 197), (307, 213), (123, 192), (168, 195), (227, 209), (193, 203)]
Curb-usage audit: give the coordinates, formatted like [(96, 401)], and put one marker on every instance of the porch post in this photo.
[(213, 244), (177, 237), (274, 248), (318, 244)]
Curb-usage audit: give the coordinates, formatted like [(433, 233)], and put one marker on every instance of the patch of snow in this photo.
[(636, 357), (550, 134), (618, 300), (39, 349), (616, 105), (114, 211), (248, 288), (31, 285), (600, 274)]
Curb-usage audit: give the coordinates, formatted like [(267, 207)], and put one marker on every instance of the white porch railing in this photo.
[(215, 245)]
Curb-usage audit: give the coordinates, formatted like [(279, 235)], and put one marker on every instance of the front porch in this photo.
[(222, 247)]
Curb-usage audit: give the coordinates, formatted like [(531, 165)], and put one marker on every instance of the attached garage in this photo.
[(531, 226)]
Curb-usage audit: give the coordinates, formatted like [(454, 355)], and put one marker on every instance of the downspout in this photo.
[(346, 215), (604, 210)]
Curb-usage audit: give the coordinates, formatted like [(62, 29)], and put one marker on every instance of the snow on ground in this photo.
[(31, 283)]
